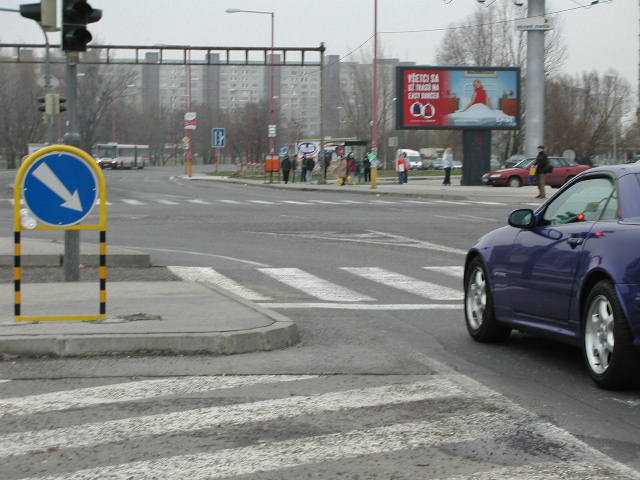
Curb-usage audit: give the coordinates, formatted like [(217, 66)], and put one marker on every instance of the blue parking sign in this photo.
[(60, 189), (218, 137)]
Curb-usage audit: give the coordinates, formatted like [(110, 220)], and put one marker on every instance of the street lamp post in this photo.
[(272, 106)]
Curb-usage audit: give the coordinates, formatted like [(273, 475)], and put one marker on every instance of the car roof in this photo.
[(617, 170)]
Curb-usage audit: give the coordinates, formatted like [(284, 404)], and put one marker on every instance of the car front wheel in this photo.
[(478, 306), (515, 182), (608, 343)]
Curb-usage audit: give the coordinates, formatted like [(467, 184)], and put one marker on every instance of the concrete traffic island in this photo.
[(169, 317)]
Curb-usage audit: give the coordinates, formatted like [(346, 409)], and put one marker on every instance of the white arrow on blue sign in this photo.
[(218, 137), (60, 189)]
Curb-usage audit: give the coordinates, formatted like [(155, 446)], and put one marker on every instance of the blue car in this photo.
[(570, 269)]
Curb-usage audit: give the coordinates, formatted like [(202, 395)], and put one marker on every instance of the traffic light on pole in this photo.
[(45, 13), (76, 14), (42, 104)]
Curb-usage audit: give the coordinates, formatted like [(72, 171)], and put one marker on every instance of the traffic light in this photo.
[(45, 13), (42, 104), (52, 104), (76, 14), (62, 104)]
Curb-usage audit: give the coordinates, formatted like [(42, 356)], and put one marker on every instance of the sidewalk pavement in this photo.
[(171, 317), (423, 188), (49, 253)]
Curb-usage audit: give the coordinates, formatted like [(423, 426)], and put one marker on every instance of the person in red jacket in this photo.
[(479, 95)]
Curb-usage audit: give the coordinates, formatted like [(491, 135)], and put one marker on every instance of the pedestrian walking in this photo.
[(341, 171), (286, 168), (542, 168), (375, 163), (352, 168), (447, 164), (310, 165), (303, 168), (366, 165), (401, 168)]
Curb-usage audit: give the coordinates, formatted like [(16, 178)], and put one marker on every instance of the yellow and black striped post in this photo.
[(103, 272), (101, 227), (17, 274)]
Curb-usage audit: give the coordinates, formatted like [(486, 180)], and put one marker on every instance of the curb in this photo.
[(56, 260)]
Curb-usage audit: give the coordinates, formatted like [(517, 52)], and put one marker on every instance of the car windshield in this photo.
[(526, 163), (414, 159)]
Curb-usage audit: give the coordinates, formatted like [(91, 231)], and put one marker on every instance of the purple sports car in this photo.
[(570, 269)]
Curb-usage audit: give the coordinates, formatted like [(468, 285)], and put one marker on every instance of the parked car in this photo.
[(107, 163), (570, 269), (513, 160), (518, 175)]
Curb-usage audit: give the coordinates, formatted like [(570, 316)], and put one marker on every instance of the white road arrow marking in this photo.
[(53, 183)]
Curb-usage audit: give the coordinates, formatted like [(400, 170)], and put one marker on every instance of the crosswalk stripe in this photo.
[(270, 457), (197, 201), (450, 202), (262, 202), (21, 443), (295, 202), (12, 202), (132, 391), (456, 271), (326, 202), (231, 202), (209, 275), (408, 284), (383, 202), (417, 202), (546, 471), (98, 203), (167, 202), (314, 286), (353, 202), (131, 201), (364, 306)]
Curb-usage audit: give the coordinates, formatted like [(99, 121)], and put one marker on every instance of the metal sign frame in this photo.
[(101, 227)]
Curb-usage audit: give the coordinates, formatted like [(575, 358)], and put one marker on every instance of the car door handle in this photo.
[(575, 241)]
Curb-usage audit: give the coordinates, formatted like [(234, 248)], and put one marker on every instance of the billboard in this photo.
[(475, 98)]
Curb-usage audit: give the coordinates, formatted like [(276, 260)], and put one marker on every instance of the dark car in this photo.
[(518, 175), (571, 269)]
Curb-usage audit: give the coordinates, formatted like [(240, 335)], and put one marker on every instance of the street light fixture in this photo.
[(272, 98)]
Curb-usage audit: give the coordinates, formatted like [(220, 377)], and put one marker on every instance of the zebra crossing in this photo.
[(177, 202), (440, 426), (313, 291)]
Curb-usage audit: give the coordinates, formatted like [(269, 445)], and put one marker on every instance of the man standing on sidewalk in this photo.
[(447, 165), (375, 163), (542, 167)]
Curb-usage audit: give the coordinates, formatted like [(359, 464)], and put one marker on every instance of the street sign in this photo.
[(190, 121), (60, 189), (536, 23), (272, 131), (218, 137)]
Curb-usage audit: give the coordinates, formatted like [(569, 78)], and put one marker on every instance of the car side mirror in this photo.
[(522, 218)]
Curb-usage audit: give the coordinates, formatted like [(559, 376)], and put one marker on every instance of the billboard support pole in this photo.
[(476, 155), (534, 131)]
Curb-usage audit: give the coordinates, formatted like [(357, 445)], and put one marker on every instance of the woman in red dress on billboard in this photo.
[(479, 96)]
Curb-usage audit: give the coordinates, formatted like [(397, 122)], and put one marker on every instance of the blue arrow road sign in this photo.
[(60, 189), (218, 137)]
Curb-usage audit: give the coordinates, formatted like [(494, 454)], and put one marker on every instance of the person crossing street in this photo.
[(542, 168)]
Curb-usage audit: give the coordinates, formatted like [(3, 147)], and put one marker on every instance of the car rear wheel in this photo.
[(478, 306), (515, 182), (608, 347)]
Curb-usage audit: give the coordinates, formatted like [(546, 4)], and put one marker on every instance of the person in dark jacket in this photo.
[(310, 165), (542, 167), (303, 168), (367, 169), (286, 168)]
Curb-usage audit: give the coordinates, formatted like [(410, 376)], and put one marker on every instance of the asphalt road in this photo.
[(294, 250)]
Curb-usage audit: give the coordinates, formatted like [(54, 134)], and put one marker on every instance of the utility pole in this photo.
[(72, 137), (374, 95), (535, 81)]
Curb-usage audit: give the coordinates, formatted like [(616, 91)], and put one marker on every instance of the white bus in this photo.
[(121, 156)]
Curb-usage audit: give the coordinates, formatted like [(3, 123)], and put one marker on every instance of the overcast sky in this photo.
[(600, 37)]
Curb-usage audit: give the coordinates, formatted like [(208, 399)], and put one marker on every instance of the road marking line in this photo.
[(449, 202), (295, 202), (98, 203), (12, 202), (91, 434), (417, 202), (482, 219), (353, 201), (231, 202), (131, 201), (167, 202), (384, 202), (456, 271), (209, 275), (326, 202), (197, 201), (364, 306), (533, 204), (287, 454), (408, 284), (314, 286), (262, 202), (132, 391), (487, 203), (200, 254)]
